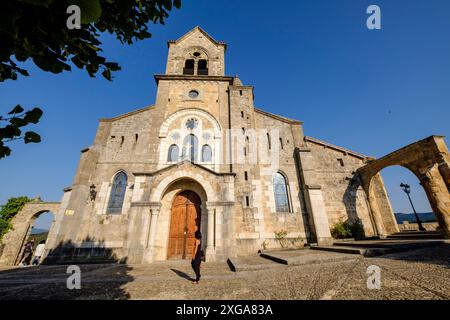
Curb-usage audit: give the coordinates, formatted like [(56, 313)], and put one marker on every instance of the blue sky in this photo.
[(315, 60)]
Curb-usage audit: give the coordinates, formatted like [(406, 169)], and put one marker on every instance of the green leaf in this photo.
[(32, 137), (33, 116), (107, 74), (12, 207), (168, 4), (177, 4), (18, 122), (4, 151), (113, 66), (9, 132), (125, 6), (17, 109), (8, 22), (90, 10)]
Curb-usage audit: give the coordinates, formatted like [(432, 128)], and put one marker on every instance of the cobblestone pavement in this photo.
[(418, 274)]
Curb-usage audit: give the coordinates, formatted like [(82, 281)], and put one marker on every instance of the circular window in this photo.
[(193, 94), (192, 123), (196, 54)]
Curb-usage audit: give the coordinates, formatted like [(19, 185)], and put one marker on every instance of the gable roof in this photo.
[(197, 28), (278, 117), (334, 147), (125, 115)]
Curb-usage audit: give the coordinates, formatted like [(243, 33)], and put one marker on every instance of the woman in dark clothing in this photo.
[(27, 253), (197, 256)]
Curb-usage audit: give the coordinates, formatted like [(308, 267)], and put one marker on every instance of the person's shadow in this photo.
[(182, 275)]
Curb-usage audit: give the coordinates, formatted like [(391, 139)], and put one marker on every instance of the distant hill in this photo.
[(37, 231), (423, 216)]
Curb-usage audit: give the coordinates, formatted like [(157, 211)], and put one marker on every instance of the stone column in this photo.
[(319, 215), (210, 246), (150, 247), (376, 216), (439, 197)]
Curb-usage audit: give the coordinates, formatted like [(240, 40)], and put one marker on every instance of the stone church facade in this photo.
[(204, 157)]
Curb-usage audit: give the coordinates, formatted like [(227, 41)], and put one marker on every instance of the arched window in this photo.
[(202, 69), (117, 194), (280, 190), (268, 141), (189, 66), (206, 153), (190, 147), (173, 154)]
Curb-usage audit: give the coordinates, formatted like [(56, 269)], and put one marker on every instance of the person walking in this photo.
[(197, 256), (38, 253), (27, 253)]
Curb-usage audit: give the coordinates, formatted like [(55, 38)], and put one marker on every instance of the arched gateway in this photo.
[(21, 228), (429, 160)]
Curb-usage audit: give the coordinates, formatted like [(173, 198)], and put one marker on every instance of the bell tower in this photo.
[(196, 54)]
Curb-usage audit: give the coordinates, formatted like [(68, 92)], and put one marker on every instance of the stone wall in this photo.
[(344, 198)]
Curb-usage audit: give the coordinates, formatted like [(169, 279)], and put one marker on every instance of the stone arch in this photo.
[(429, 160), (212, 135), (188, 112), (164, 184), (165, 213), (188, 52), (196, 61), (14, 240)]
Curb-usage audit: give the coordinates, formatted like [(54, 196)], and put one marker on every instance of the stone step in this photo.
[(252, 263), (65, 260), (303, 256), (400, 244), (417, 232), (377, 248), (366, 252), (415, 235)]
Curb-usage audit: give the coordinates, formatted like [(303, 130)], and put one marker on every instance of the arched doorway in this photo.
[(184, 222)]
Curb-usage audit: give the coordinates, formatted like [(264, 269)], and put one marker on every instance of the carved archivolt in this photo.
[(196, 53)]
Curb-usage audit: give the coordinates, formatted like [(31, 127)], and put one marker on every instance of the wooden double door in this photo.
[(185, 220)]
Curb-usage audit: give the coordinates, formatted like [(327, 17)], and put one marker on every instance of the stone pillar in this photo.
[(211, 234), (439, 197), (150, 247), (319, 216), (444, 170), (376, 216)]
